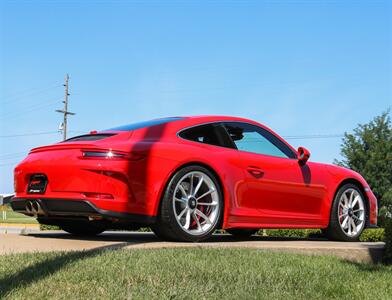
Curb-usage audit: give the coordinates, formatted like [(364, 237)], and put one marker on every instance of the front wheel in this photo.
[(348, 214), (192, 206)]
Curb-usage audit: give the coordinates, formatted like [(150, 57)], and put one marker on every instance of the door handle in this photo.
[(255, 172)]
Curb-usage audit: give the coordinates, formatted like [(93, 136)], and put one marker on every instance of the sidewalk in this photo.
[(15, 228), (46, 241)]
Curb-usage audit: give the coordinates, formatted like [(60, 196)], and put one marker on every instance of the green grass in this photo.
[(13, 217), (189, 273)]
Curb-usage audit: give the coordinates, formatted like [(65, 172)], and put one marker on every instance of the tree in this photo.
[(368, 151)]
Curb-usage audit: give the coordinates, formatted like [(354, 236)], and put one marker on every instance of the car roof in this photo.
[(175, 124), (178, 122), (217, 118)]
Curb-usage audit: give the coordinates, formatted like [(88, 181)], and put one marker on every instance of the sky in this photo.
[(303, 68)]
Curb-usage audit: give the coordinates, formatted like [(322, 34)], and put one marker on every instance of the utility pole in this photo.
[(65, 111)]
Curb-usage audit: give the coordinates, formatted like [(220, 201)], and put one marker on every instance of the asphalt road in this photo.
[(60, 241)]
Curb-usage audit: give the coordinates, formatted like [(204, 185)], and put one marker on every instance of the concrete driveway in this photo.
[(60, 241)]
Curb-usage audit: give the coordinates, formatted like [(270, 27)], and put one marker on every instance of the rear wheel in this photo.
[(241, 232), (348, 214), (82, 228), (191, 208)]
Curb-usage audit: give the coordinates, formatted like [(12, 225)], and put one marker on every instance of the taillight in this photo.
[(109, 155)]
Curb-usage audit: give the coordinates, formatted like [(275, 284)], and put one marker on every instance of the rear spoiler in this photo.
[(61, 146)]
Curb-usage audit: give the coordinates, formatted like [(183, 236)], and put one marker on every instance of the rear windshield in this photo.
[(139, 125), (89, 137)]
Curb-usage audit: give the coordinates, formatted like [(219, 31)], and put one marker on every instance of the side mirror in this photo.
[(303, 155)]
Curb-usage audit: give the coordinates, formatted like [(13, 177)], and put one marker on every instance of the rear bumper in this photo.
[(55, 208)]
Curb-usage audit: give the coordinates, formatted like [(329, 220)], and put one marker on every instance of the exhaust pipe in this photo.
[(29, 208), (38, 208), (34, 208)]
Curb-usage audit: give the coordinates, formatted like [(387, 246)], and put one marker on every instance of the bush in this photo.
[(385, 211), (388, 242), (48, 227), (372, 235), (295, 233), (368, 235), (144, 229)]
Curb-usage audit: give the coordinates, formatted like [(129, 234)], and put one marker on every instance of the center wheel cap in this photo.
[(192, 202)]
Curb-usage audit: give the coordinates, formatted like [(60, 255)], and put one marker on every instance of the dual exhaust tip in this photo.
[(34, 208)]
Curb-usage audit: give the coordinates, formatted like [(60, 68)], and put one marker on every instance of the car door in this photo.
[(278, 186)]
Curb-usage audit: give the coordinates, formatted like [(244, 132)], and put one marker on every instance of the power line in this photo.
[(31, 108), (30, 89), (313, 136), (28, 134), (36, 133), (32, 105), (22, 96)]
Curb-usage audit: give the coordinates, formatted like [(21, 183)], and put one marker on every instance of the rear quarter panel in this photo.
[(166, 158)]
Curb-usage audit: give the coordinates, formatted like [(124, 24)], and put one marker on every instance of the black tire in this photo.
[(82, 228), (241, 232), (161, 233), (334, 230), (167, 227)]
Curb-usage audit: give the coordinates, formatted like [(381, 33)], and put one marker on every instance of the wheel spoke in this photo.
[(182, 200), (353, 226), (357, 218), (197, 221), (191, 185), (198, 186), (181, 188), (345, 199), (208, 203), (343, 215), (344, 223), (351, 199), (205, 194), (355, 201), (201, 214), (358, 210), (187, 219), (182, 213)]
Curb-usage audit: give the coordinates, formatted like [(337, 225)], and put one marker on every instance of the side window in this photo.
[(251, 138), (212, 134)]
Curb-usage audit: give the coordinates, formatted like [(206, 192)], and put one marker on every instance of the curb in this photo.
[(19, 225)]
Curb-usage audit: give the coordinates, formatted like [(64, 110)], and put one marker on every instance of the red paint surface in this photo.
[(260, 191)]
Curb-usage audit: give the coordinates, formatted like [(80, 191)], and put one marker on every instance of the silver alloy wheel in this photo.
[(351, 212), (196, 203)]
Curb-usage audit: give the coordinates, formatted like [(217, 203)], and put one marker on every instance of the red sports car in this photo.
[(187, 176)]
